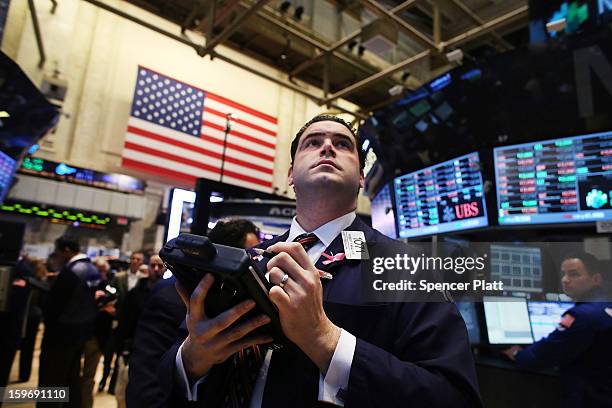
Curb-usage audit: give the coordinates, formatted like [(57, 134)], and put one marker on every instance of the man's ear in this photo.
[(361, 179), (290, 176), (597, 279)]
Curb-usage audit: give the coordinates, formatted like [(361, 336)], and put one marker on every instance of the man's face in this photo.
[(576, 280), (326, 157), (136, 260), (62, 255), (156, 267)]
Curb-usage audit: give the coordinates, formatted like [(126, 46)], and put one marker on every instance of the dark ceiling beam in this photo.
[(491, 25), (232, 27), (460, 4), (37, 34), (335, 46), (419, 36), (377, 77), (307, 38), (310, 62), (221, 57)]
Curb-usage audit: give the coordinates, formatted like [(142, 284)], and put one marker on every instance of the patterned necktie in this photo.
[(247, 362), (308, 240)]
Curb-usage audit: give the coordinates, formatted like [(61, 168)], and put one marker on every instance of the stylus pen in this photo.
[(269, 255)]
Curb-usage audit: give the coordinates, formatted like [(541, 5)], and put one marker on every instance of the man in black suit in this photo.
[(346, 351), (158, 326), (69, 315)]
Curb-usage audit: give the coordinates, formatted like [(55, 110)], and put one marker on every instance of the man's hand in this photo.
[(300, 303), (511, 352), (109, 308), (212, 341)]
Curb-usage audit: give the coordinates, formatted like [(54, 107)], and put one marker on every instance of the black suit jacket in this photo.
[(157, 330), (407, 354)]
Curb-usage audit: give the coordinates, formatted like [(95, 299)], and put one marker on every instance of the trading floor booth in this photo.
[(500, 157)]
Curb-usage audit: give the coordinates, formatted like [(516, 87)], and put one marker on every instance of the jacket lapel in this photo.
[(337, 246)]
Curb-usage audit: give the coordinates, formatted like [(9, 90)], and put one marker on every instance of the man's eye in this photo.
[(312, 142), (344, 144)]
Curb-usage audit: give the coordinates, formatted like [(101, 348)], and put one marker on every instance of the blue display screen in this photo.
[(545, 317), (7, 170), (383, 218), (442, 198), (555, 181)]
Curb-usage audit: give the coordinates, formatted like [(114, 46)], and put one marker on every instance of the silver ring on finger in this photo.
[(283, 281)]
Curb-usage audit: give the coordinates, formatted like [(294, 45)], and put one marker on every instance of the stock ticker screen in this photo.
[(442, 198), (555, 181), (383, 218)]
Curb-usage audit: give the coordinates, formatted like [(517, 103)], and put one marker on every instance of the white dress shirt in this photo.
[(340, 366)]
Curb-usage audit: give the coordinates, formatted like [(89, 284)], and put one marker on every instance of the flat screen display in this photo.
[(507, 320), (383, 215), (518, 267), (7, 171), (181, 212), (555, 181), (442, 198), (545, 317)]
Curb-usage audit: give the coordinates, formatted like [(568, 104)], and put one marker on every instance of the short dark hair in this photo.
[(327, 117), (69, 242), (140, 251), (232, 232), (591, 262)]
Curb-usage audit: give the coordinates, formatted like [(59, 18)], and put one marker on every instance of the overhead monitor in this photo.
[(468, 313), (518, 267), (383, 215), (545, 317), (507, 320), (555, 181), (180, 213), (7, 171), (442, 198)]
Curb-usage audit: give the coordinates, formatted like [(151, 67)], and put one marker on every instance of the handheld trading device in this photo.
[(237, 278)]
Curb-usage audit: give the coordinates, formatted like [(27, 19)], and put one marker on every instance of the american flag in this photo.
[(176, 131)]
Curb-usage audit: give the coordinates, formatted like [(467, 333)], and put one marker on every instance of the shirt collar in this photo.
[(77, 257), (326, 232)]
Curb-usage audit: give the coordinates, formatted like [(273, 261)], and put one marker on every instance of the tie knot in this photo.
[(308, 240)]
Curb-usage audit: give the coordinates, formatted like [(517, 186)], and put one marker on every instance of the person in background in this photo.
[(26, 350), (581, 346), (131, 310), (69, 315), (92, 350), (124, 281), (236, 232), (12, 321), (158, 327)]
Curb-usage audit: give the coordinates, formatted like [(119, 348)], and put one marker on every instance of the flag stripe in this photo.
[(181, 159), (164, 139), (163, 145), (238, 148), (239, 134), (225, 109), (177, 131), (187, 169), (138, 165), (219, 135), (236, 105), (208, 118), (208, 109), (169, 156)]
